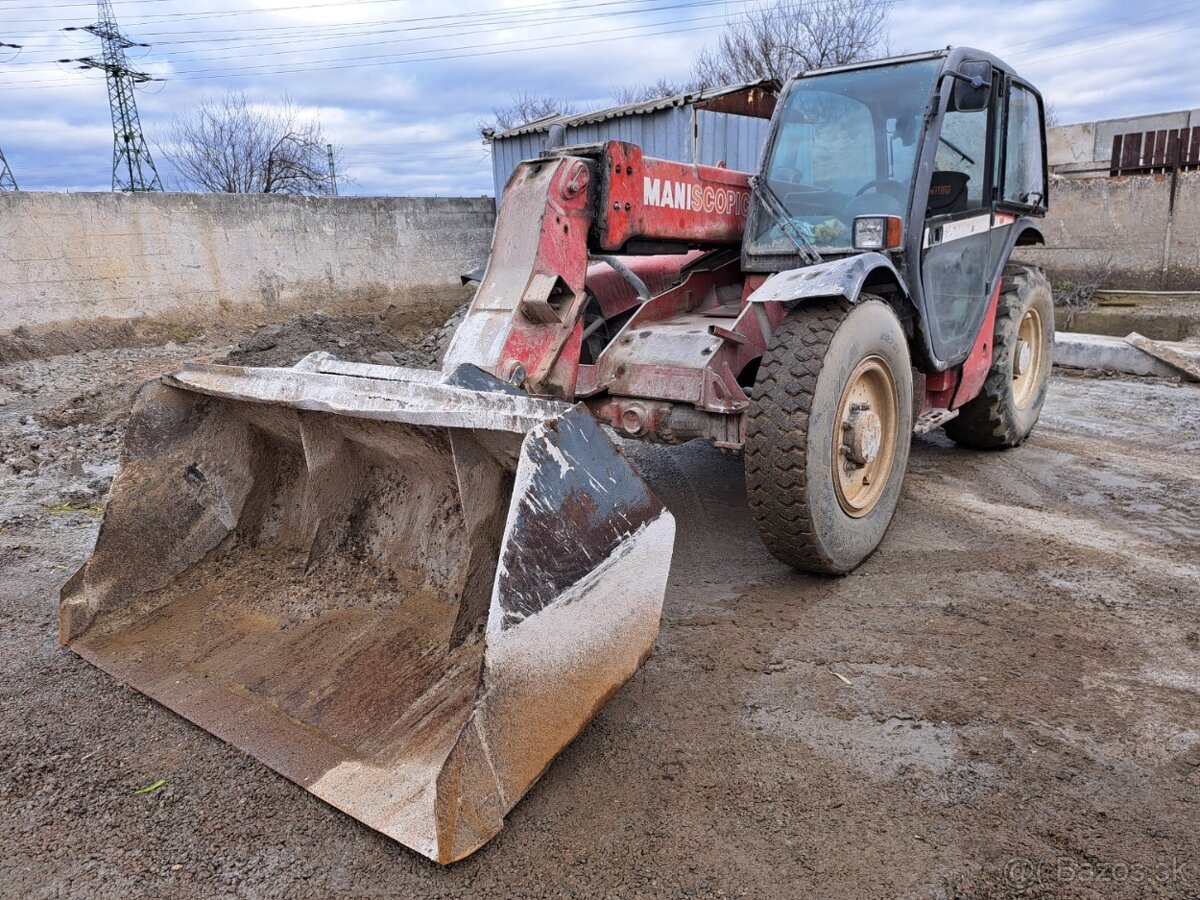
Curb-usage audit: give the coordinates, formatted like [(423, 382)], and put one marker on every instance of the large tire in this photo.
[(806, 516), (1011, 399)]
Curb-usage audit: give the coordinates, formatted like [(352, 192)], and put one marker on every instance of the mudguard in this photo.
[(842, 277)]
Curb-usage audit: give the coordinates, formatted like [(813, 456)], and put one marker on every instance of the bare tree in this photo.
[(772, 39), (525, 108), (781, 38), (1077, 297), (641, 93), (230, 145)]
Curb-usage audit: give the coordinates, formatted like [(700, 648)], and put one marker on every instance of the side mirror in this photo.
[(972, 86)]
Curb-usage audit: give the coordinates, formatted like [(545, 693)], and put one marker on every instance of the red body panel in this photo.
[(975, 366), (939, 390), (616, 295), (525, 321)]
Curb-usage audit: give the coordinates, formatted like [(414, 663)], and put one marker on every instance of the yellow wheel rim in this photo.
[(864, 436), (1029, 359)]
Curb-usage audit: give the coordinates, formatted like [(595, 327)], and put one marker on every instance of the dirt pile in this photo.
[(71, 408), (353, 338), (65, 412), (104, 334)]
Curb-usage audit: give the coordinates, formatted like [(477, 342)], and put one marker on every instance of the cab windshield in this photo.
[(846, 146)]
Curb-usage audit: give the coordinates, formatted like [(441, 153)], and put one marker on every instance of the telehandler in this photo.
[(408, 590)]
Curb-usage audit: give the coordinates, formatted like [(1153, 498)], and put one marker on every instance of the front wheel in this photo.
[(828, 434)]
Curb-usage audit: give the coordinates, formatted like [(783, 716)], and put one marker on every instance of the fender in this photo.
[(1028, 234), (843, 277)]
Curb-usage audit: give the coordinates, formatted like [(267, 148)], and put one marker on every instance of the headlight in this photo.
[(878, 232)]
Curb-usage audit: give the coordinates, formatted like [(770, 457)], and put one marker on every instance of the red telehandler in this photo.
[(408, 590)]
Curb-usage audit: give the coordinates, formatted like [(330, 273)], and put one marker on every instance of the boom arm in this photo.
[(644, 199), (525, 323)]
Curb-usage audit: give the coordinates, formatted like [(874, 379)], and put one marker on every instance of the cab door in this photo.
[(961, 231)]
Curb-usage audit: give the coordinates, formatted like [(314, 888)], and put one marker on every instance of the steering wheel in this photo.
[(879, 182), (786, 173)]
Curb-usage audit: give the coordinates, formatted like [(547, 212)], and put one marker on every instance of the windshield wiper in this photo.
[(786, 223), (956, 150)]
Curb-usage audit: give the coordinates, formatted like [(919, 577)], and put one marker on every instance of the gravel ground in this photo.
[(1003, 701)]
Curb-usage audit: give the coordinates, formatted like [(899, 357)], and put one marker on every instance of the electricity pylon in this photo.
[(7, 182), (133, 169)]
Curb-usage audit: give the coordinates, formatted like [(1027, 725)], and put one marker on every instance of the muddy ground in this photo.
[(1003, 701)]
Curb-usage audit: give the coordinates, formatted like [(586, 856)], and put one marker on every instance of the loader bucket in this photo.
[(404, 591)]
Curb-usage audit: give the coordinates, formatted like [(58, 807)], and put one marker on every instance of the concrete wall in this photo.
[(1127, 220), (68, 258)]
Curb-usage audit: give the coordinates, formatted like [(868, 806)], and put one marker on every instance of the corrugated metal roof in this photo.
[(634, 109)]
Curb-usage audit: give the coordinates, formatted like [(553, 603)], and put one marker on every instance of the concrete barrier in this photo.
[(1114, 354), (67, 259)]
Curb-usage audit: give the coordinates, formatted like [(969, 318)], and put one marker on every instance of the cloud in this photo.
[(403, 84)]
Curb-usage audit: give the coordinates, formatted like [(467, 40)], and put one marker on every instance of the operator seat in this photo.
[(947, 193)]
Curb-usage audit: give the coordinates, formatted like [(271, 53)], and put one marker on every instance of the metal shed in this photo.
[(718, 125)]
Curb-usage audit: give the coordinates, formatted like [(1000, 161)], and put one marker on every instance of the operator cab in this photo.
[(934, 160), (845, 145)]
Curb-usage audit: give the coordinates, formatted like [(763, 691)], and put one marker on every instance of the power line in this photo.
[(445, 53), (309, 39), (133, 169), (312, 39), (489, 25), (1076, 35), (1100, 48), (459, 52), (254, 51), (217, 12), (511, 13), (539, 14), (549, 42)]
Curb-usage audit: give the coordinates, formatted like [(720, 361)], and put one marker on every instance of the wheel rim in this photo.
[(1029, 359), (864, 436)]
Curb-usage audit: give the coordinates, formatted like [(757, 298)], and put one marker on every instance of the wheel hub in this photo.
[(864, 445), (864, 433), (1022, 358), (1030, 360)]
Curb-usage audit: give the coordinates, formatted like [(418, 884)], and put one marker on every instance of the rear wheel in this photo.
[(1011, 399), (828, 434)]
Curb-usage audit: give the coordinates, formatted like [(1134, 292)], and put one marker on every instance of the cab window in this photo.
[(959, 175), (1024, 173)]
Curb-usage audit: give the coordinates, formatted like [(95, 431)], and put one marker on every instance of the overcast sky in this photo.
[(402, 84)]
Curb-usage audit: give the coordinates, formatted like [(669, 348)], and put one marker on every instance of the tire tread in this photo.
[(777, 434)]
